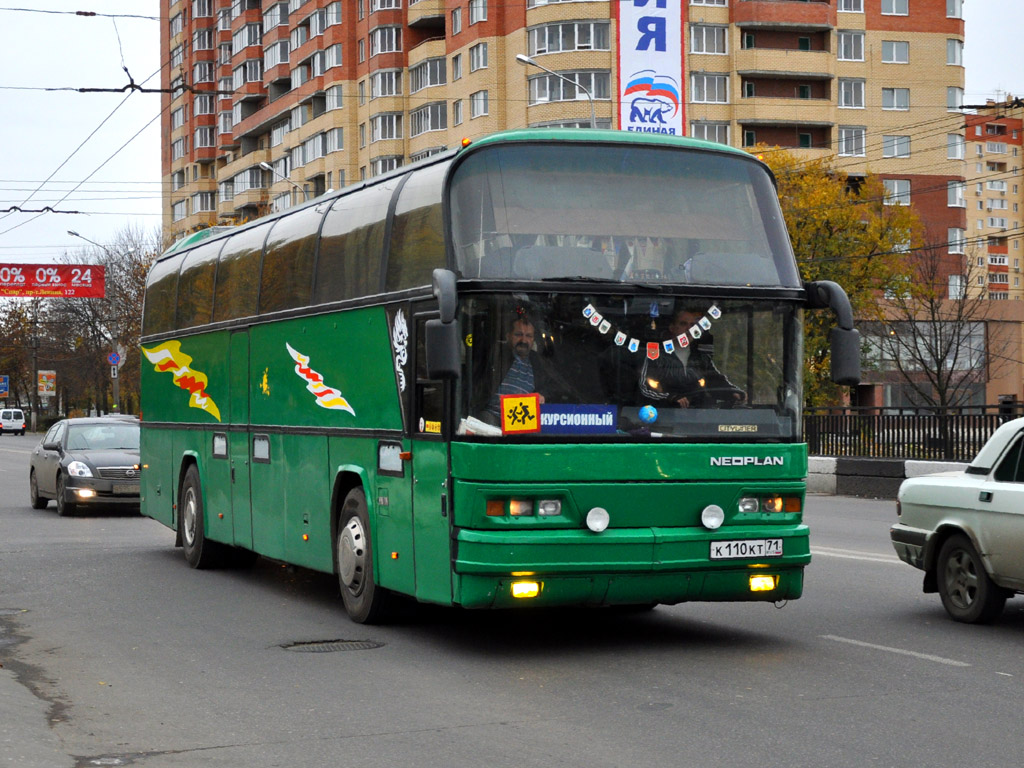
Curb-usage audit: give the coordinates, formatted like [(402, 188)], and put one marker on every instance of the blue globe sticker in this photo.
[(648, 414)]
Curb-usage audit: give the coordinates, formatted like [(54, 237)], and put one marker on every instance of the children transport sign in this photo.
[(73, 281)]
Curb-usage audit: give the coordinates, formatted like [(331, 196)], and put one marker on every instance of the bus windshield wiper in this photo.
[(602, 281)]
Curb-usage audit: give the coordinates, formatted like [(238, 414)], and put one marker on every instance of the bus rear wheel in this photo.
[(364, 599), (199, 551)]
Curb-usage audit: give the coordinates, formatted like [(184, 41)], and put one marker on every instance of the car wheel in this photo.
[(967, 593), (64, 508), (364, 599), (199, 552), (38, 502)]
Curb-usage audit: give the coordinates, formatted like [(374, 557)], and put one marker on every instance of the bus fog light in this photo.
[(598, 519), (762, 583), (520, 508), (524, 589), (549, 507), (748, 505), (712, 517)]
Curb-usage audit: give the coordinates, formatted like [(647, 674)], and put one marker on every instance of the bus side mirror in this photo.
[(445, 293), (442, 347), (846, 356)]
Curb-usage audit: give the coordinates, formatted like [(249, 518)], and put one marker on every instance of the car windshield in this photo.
[(109, 437)]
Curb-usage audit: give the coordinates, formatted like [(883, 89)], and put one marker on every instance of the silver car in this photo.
[(965, 530)]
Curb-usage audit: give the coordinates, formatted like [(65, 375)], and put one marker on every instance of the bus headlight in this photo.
[(749, 505), (521, 507), (549, 507), (598, 519), (712, 517)]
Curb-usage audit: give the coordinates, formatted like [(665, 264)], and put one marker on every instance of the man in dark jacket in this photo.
[(686, 377), (524, 373)]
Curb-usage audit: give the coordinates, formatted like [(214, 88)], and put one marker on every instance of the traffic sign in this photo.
[(113, 358), (113, 371), (5, 386)]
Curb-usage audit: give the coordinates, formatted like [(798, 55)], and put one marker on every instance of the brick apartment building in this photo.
[(326, 93)]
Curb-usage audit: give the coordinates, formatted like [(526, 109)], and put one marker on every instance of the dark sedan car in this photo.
[(86, 462)]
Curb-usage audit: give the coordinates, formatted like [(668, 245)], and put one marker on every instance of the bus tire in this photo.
[(199, 552), (364, 599)]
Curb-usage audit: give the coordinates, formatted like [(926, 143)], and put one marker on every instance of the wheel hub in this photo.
[(352, 554), (188, 517)]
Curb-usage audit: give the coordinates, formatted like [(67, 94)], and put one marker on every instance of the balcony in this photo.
[(773, 62), (782, 111), (785, 14), (426, 14)]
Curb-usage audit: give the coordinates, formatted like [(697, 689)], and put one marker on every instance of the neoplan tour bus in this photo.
[(551, 367)]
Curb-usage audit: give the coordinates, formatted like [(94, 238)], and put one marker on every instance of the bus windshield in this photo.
[(628, 213), (631, 368)]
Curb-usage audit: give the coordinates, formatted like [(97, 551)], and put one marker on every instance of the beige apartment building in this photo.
[(276, 101)]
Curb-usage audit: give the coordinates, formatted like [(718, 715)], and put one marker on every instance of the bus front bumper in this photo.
[(624, 566)]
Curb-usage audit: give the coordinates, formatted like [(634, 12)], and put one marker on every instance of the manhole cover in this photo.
[(330, 646)]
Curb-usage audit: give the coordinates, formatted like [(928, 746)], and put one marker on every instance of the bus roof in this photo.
[(603, 135)]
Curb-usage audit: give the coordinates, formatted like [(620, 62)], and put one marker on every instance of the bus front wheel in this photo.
[(199, 551), (363, 598)]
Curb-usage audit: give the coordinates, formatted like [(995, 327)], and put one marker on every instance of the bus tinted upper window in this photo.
[(238, 274), (417, 235), (618, 212), (161, 295), (351, 245), (198, 272), (287, 279)]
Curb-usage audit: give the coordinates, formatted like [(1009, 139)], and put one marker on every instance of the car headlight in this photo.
[(79, 469)]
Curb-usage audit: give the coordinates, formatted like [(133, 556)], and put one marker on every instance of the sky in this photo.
[(102, 150)]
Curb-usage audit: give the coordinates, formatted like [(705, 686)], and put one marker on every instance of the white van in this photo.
[(12, 420)]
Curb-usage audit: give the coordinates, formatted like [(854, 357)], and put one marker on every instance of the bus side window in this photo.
[(428, 397), (238, 274), (195, 285), (287, 278), (161, 296), (417, 235), (352, 244)]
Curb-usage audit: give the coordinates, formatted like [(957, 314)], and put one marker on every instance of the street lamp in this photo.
[(524, 60), (268, 167), (98, 245)]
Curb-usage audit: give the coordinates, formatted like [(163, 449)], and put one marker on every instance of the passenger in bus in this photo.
[(687, 377), (524, 372)]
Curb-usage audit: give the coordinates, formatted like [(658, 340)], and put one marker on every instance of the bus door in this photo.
[(431, 501), (238, 439)]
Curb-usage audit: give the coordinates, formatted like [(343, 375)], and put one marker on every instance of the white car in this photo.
[(12, 420), (965, 530)]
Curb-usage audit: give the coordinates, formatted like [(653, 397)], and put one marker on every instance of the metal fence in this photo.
[(942, 434)]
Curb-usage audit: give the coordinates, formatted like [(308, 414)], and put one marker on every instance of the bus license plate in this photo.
[(746, 548)]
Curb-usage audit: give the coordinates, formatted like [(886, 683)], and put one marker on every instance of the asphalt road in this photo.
[(114, 652)]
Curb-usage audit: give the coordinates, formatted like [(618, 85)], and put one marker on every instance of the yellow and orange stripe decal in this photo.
[(326, 397), (168, 357)]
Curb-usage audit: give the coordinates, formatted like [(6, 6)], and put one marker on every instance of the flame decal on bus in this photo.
[(169, 357), (326, 397)]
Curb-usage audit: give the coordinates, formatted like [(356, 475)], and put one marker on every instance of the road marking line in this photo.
[(850, 554), (902, 651)]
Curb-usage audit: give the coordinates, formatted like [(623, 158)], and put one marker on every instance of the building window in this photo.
[(361, 49), (956, 194), (427, 74), (956, 238), (430, 117), (749, 138), (955, 52), (478, 103), (954, 9), (572, 36), (477, 11), (205, 136), (457, 112), (177, 118), (897, 191), (276, 53), (384, 5), (954, 99), (852, 139), (709, 88), (175, 25), (896, 98), (851, 6), (717, 132), (456, 21), (385, 40), (332, 98), (203, 72), (895, 146), (572, 86), (203, 202), (456, 67), (851, 46), (277, 132), (202, 8), (706, 38), (177, 56), (250, 34), (275, 16), (851, 93), (179, 210), (895, 7), (708, 2), (385, 127), (381, 165), (477, 57), (955, 145), (895, 52), (178, 149)]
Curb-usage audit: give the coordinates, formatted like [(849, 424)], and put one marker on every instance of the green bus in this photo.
[(550, 367)]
